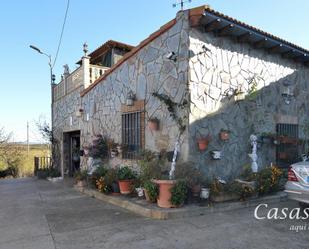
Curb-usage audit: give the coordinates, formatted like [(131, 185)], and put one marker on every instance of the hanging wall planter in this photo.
[(130, 98), (216, 154), (153, 124), (203, 143)]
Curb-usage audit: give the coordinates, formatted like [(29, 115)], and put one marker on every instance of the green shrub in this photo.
[(152, 190), (247, 174), (189, 173), (99, 148), (110, 176), (268, 180), (125, 173), (179, 193), (54, 173), (242, 190), (100, 171), (81, 175), (42, 173)]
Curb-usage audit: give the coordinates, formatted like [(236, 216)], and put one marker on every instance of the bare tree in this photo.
[(11, 154), (44, 129)]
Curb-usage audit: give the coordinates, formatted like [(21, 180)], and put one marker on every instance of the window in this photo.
[(132, 125), (287, 149)]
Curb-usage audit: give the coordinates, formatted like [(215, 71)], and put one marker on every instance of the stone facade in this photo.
[(206, 68), (146, 72), (223, 64)]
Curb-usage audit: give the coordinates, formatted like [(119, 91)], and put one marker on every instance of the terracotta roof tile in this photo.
[(107, 45)]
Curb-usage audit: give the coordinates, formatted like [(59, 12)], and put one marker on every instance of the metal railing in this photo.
[(42, 163)]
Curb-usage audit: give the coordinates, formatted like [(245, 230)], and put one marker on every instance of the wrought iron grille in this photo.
[(287, 149), (131, 134)]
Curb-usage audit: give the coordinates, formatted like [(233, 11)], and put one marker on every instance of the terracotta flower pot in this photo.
[(224, 135), (196, 189), (164, 198), (125, 186), (153, 125), (202, 144)]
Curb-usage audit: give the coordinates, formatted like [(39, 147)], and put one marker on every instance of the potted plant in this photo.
[(224, 135), (165, 195), (153, 124), (111, 180), (179, 193), (203, 142), (81, 178), (221, 191), (267, 137), (151, 191), (125, 179), (99, 172), (191, 175)]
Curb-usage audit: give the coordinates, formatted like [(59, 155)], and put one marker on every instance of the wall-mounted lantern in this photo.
[(172, 56), (287, 94), (216, 154), (130, 98)]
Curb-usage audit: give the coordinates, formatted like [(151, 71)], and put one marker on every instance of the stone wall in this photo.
[(145, 72), (225, 64), (65, 120)]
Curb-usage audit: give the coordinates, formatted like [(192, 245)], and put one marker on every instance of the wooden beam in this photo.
[(289, 54), (275, 49), (260, 43), (225, 30), (212, 25), (301, 58), (244, 37)]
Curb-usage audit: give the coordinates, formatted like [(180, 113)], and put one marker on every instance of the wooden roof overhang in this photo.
[(221, 25)]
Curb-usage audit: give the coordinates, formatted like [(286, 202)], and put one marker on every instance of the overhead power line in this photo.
[(62, 30)]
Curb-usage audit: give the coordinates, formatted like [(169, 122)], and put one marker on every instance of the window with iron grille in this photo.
[(132, 134), (287, 149)]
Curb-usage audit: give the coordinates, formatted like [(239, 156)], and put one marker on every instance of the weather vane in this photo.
[(181, 3)]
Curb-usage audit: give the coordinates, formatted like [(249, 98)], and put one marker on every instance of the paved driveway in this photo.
[(39, 214)]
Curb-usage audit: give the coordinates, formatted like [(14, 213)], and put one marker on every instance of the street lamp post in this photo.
[(52, 84)]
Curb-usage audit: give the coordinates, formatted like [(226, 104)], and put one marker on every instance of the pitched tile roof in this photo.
[(128, 55), (106, 46), (205, 16)]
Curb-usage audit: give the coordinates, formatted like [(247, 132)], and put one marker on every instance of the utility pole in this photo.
[(27, 138)]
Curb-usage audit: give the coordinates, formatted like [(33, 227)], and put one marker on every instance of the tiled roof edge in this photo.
[(128, 55)]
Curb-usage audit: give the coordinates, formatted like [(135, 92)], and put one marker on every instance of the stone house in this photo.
[(235, 78)]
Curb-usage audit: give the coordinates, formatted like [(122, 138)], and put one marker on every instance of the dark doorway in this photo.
[(71, 152)]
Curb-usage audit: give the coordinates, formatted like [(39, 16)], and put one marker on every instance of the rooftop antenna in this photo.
[(181, 3)]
